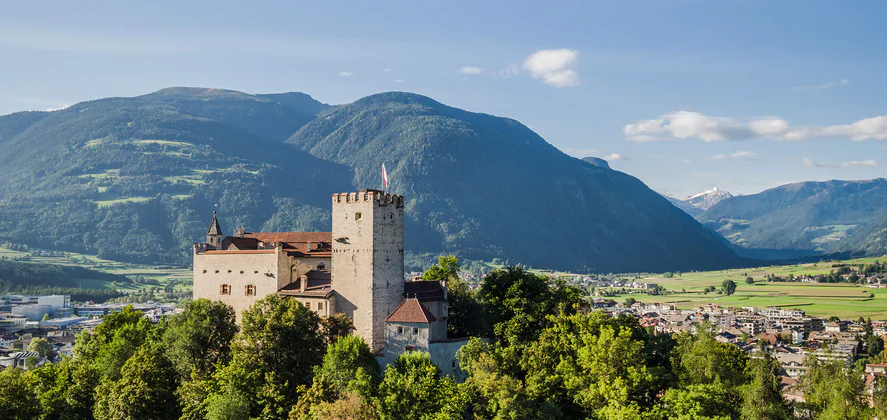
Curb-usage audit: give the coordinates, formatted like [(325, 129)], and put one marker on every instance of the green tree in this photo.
[(413, 388), (707, 368), (273, 355), (728, 287), (465, 316), (517, 303), (586, 363), (833, 391), (749, 280), (761, 398), (113, 341), (41, 346), (697, 401), (446, 269), (200, 337), (349, 359), (630, 301), (17, 401), (146, 389), (335, 326)]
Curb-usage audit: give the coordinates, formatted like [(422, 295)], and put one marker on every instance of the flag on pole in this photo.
[(384, 178)]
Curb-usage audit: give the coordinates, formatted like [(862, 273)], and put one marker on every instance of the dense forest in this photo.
[(548, 356)]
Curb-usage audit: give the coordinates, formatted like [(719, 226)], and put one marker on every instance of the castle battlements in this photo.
[(366, 195)]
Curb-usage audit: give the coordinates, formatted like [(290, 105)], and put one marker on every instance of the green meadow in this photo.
[(844, 300)]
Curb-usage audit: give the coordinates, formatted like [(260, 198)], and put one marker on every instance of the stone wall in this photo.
[(237, 269), (367, 261), (401, 338)]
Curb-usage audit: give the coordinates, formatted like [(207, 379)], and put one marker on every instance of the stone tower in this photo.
[(367, 260), (214, 235)]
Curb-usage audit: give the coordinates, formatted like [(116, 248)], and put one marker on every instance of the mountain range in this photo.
[(698, 203), (136, 179), (806, 218)]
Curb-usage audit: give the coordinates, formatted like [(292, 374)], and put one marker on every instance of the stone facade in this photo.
[(367, 260), (357, 270)]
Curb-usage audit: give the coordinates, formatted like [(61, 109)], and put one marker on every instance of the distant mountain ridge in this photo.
[(135, 179), (700, 202), (813, 217)]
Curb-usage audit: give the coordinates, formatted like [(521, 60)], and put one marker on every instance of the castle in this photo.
[(357, 270)]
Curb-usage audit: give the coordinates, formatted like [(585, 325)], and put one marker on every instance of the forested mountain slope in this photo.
[(484, 186), (813, 216)]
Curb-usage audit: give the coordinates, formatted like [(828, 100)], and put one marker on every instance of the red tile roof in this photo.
[(411, 310), (304, 237)]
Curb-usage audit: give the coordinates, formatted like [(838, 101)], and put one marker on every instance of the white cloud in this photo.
[(694, 125), (554, 67), (822, 86), (615, 156), (398, 80), (472, 70), (388, 70), (345, 74), (742, 154), (808, 163), (508, 71), (686, 161), (581, 153), (59, 108)]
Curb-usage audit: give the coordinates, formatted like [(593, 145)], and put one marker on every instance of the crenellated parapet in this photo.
[(366, 196)]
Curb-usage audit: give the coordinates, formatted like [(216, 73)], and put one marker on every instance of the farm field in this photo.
[(161, 274), (820, 299)]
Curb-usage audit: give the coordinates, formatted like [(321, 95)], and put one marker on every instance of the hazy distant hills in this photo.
[(815, 217), (698, 203), (136, 179)]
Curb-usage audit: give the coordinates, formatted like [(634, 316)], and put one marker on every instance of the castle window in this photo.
[(204, 271), (229, 271), (217, 271), (308, 305), (415, 331), (256, 272), (241, 271), (250, 290), (225, 289), (357, 216), (319, 306), (321, 266)]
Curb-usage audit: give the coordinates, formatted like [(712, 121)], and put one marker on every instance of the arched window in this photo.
[(321, 266)]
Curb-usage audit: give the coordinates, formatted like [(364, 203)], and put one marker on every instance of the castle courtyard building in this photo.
[(356, 270)]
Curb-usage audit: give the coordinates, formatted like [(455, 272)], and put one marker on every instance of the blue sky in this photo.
[(683, 94)]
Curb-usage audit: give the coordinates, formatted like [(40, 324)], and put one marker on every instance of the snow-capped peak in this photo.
[(708, 198)]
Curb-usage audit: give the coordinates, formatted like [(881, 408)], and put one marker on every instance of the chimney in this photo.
[(309, 246), (303, 283)]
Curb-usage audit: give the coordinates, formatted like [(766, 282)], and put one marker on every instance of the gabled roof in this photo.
[(411, 310), (214, 228)]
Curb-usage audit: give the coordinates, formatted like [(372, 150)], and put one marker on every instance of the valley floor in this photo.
[(845, 300)]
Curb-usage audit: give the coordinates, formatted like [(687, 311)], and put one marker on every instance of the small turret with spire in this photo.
[(214, 235)]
